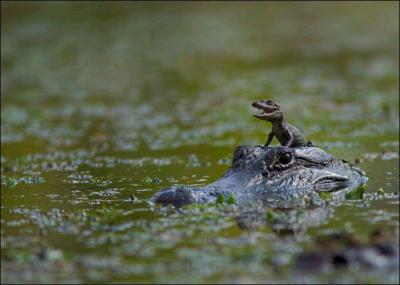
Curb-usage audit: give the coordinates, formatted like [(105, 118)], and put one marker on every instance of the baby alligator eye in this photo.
[(285, 158)]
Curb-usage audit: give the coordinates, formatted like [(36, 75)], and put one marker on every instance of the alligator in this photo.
[(273, 176), (286, 134)]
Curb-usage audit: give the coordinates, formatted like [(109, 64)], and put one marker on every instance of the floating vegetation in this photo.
[(384, 155), (149, 180), (356, 194), (325, 195), (220, 199), (270, 215), (231, 199), (104, 106), (12, 182)]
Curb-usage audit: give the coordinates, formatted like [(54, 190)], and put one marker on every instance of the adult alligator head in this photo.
[(275, 176)]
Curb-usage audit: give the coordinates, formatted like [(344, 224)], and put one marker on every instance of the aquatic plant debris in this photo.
[(325, 195), (358, 193), (102, 106)]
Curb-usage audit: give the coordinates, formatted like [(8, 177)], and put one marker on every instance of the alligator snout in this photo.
[(177, 196)]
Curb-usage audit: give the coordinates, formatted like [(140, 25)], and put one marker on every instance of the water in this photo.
[(99, 102)]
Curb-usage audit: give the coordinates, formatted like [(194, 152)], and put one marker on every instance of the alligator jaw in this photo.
[(267, 112), (331, 183)]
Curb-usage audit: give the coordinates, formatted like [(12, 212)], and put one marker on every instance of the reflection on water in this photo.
[(104, 104)]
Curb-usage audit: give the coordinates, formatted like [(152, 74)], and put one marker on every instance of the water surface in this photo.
[(105, 102)]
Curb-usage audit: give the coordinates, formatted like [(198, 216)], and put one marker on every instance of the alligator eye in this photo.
[(285, 158)]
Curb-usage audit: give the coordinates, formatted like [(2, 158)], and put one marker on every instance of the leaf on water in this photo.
[(147, 180), (380, 192)]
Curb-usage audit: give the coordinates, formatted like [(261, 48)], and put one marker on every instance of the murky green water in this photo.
[(102, 101)]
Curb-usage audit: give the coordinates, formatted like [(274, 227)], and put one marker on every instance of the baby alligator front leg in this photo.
[(270, 137)]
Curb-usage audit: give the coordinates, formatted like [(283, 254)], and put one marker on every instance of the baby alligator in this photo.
[(286, 134)]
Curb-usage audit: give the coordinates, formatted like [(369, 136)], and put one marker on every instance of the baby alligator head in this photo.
[(270, 111), (268, 175)]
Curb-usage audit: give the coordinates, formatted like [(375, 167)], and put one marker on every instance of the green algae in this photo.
[(220, 199), (270, 215), (231, 199), (356, 194), (325, 195)]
